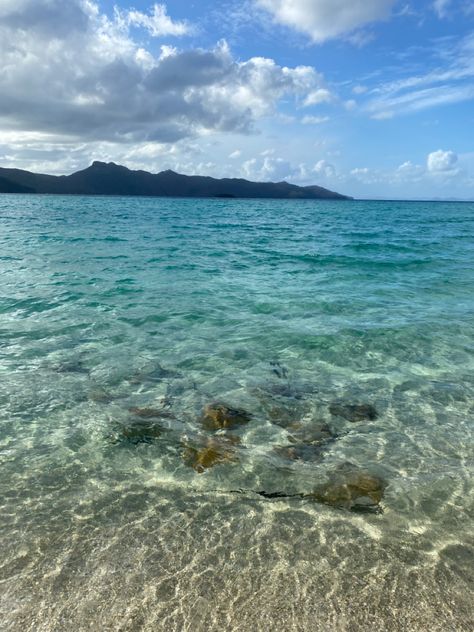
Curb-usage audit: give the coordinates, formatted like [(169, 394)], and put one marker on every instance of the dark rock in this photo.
[(308, 442), (354, 412), (151, 413), (351, 488), (285, 416), (138, 431), (73, 366), (279, 370), (100, 396), (156, 374), (300, 452), (206, 453), (315, 434), (285, 390), (284, 412), (218, 416)]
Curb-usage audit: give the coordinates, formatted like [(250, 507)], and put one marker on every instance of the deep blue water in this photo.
[(284, 309)]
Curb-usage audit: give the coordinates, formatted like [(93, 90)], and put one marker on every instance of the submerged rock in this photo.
[(219, 416), (279, 370), (300, 452), (352, 489), (284, 390), (138, 431), (156, 374), (308, 442), (315, 434), (100, 396), (210, 452), (285, 416), (72, 366), (151, 413), (354, 412)]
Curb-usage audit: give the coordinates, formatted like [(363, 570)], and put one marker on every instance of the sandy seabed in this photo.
[(132, 561)]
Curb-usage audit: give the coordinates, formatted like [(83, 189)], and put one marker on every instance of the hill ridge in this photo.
[(109, 178)]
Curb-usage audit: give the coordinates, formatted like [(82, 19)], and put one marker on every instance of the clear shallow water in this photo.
[(281, 308)]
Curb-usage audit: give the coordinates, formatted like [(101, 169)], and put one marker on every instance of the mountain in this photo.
[(110, 179), (10, 186)]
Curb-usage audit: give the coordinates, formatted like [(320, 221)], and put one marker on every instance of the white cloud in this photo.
[(408, 172), (383, 115), (441, 7), (324, 169), (360, 171), (102, 85), (321, 95), (157, 23), (314, 120), (271, 167), (414, 180), (442, 161), (235, 154), (451, 82), (327, 19)]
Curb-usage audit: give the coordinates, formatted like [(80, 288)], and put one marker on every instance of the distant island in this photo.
[(110, 179)]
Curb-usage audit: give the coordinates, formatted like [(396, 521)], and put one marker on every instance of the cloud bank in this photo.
[(69, 70)]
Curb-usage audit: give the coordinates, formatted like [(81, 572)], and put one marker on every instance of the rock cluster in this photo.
[(347, 487), (205, 452)]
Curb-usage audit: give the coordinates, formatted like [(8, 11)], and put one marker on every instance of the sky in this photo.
[(371, 98)]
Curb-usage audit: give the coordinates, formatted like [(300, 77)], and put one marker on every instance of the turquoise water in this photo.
[(283, 309)]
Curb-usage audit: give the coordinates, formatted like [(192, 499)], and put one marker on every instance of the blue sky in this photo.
[(373, 98)]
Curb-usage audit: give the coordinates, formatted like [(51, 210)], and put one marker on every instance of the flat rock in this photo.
[(351, 488), (138, 431), (219, 416), (156, 374), (354, 412), (206, 453), (100, 396), (151, 413), (284, 416), (307, 442), (314, 434), (300, 452), (72, 366)]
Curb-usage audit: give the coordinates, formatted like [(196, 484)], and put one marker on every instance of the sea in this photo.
[(247, 415)]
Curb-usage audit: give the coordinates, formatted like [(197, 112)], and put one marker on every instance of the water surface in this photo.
[(280, 308)]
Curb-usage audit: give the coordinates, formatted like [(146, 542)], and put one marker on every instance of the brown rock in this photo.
[(219, 416), (100, 396), (300, 452), (351, 489), (151, 413), (137, 432), (213, 451), (354, 412)]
